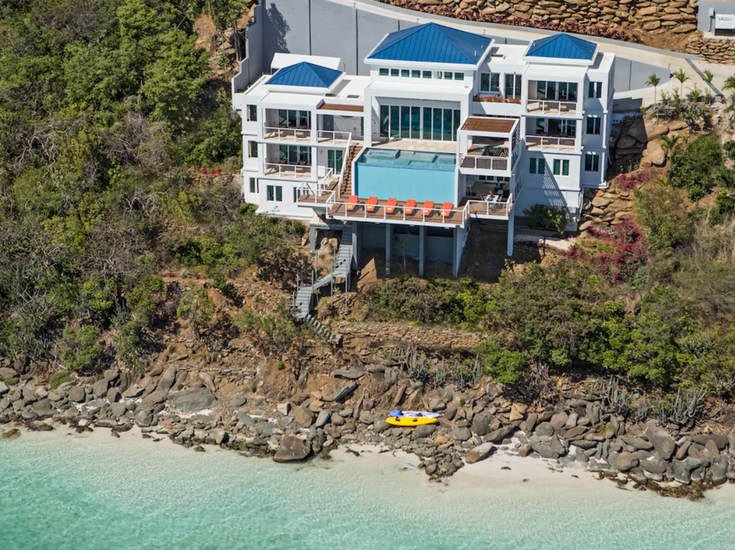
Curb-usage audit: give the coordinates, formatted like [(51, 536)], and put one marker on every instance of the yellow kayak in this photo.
[(409, 421)]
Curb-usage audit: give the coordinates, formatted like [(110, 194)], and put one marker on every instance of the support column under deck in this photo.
[(422, 250), (455, 253), (511, 224), (388, 243), (312, 238)]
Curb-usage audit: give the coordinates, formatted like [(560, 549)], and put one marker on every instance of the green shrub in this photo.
[(506, 367), (550, 218), (79, 348), (661, 211), (696, 166), (12, 381), (59, 378)]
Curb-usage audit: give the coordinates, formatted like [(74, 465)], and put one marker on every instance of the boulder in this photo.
[(144, 418), (349, 374), (655, 129), (133, 391), (344, 392), (626, 461), (154, 398), (118, 409), (558, 421), (323, 419), (681, 473), (113, 395), (243, 417), (100, 387), (626, 142), (571, 421), (637, 442), (498, 435), (207, 381), (292, 448), (194, 400), (557, 446), (283, 408), (237, 401), (380, 425), (575, 433), (460, 434), (656, 154), (638, 132), (531, 422), (518, 411), (77, 394), (719, 469), (544, 429), (478, 453), (525, 450), (6, 373), (168, 378), (661, 440), (3, 388), (425, 431), (720, 440), (544, 449), (481, 423), (653, 465), (266, 428), (303, 417)]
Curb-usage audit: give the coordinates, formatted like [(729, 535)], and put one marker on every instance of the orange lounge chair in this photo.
[(372, 204), (410, 205), (391, 206), (446, 209), (428, 207), (352, 203)]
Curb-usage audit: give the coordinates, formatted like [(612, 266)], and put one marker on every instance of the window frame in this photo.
[(252, 149), (595, 123), (592, 162), (252, 113)]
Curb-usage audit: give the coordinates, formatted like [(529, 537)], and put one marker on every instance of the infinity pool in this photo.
[(408, 159)]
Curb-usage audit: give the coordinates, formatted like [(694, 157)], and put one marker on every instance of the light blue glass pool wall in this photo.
[(405, 175)]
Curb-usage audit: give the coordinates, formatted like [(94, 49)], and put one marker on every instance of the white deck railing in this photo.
[(491, 208), (288, 170), (551, 143), (551, 107), (330, 135), (477, 162), (293, 135)]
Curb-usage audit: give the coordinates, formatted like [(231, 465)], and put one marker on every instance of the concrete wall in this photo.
[(705, 23), (322, 27)]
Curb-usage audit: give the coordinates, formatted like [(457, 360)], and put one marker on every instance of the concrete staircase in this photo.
[(305, 293)]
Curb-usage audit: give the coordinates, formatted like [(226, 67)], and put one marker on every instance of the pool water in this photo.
[(408, 159)]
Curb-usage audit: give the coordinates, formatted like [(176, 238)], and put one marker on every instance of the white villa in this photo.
[(447, 128)]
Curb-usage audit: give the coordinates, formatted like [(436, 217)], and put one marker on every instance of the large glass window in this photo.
[(447, 133), (595, 89), (592, 162), (561, 167), (384, 121), (395, 121), (253, 149), (415, 122), (384, 72), (458, 76), (437, 116), (294, 119), (485, 82), (405, 122), (490, 82), (334, 160), (253, 185), (295, 154), (253, 113), (513, 86), (427, 123), (593, 125), (274, 193)]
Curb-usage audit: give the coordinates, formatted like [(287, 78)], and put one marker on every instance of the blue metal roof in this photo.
[(432, 43), (562, 46), (304, 74)]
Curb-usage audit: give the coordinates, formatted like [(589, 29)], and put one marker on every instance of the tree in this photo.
[(682, 78), (729, 83), (670, 142), (197, 308), (654, 81)]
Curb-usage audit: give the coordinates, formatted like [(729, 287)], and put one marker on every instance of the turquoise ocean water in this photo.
[(88, 492)]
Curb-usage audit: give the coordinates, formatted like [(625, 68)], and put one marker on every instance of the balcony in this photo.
[(475, 163), (290, 171), (547, 107), (437, 216), (551, 143), (287, 135), (317, 194)]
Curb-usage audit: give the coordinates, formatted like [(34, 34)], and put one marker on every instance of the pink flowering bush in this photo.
[(634, 181), (624, 252), (496, 99), (212, 171)]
